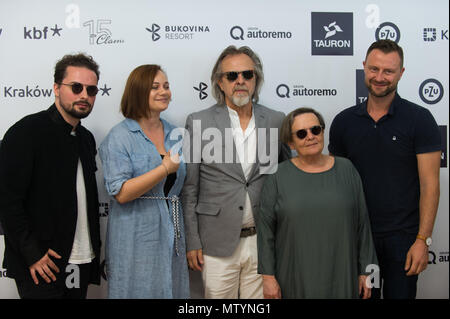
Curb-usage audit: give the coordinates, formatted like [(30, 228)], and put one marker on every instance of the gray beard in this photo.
[(241, 101)]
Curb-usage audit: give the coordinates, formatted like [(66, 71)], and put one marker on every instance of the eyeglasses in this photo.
[(316, 130), (77, 88), (233, 75)]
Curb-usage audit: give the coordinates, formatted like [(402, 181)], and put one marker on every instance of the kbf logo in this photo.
[(431, 91), (38, 33), (443, 129), (332, 33), (361, 89), (201, 88), (388, 31)]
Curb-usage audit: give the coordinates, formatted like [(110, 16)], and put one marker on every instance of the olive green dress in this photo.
[(313, 231)]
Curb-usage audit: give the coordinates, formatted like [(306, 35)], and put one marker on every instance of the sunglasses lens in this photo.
[(247, 74), (301, 134), (232, 76), (92, 90), (77, 88), (316, 130)]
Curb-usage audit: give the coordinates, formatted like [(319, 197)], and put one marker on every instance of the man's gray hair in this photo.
[(217, 72)]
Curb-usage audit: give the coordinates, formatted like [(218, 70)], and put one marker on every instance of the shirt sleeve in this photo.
[(266, 224), (336, 137), (116, 163), (16, 171), (427, 137)]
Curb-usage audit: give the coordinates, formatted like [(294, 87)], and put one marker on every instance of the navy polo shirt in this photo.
[(384, 153)]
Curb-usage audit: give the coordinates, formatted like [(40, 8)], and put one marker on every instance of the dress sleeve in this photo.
[(116, 162), (266, 225), (366, 248)]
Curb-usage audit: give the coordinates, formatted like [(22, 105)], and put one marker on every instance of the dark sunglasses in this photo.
[(233, 75), (77, 88), (316, 130)]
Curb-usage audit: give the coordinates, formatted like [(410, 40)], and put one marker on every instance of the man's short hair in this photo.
[(386, 46), (217, 72), (135, 98), (286, 127), (77, 60)]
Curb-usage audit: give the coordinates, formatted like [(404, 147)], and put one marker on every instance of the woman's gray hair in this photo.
[(217, 73), (286, 126)]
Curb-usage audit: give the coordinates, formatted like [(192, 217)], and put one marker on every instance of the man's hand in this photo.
[(417, 258), (43, 267), (195, 259), (271, 288)]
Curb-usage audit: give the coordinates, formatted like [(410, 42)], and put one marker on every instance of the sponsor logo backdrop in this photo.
[(312, 54)]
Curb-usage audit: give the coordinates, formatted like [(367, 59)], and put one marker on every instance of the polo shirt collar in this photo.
[(361, 109)]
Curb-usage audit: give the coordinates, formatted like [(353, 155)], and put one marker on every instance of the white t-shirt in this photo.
[(82, 252)]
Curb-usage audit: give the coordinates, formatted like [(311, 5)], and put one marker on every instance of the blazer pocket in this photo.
[(207, 209)]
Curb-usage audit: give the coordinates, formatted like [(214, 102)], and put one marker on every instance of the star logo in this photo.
[(56, 30), (105, 90)]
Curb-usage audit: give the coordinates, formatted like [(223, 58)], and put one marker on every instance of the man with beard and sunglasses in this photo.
[(221, 190), (395, 145), (48, 191)]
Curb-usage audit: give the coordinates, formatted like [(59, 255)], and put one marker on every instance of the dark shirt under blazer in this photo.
[(38, 199)]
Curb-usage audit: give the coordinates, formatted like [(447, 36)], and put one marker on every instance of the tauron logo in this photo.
[(332, 33), (431, 91), (388, 31), (332, 29), (361, 89), (154, 31), (201, 88)]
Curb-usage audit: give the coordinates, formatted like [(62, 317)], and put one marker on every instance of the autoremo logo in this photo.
[(238, 33)]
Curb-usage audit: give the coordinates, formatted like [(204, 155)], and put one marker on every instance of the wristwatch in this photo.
[(428, 241)]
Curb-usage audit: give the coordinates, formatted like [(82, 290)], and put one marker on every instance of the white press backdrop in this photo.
[(312, 53)]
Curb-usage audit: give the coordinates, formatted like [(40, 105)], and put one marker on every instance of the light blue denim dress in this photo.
[(141, 254)]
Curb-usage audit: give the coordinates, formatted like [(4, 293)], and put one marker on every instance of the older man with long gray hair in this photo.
[(222, 187)]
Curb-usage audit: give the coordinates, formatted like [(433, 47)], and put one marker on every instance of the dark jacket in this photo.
[(38, 200)]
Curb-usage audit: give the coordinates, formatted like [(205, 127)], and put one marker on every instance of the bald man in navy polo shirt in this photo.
[(395, 146)]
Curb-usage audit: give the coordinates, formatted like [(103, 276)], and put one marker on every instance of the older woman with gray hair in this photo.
[(314, 238)]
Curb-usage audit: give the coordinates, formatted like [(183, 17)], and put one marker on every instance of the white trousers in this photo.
[(235, 276)]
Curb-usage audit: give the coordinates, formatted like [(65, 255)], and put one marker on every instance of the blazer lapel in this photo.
[(260, 122), (223, 122)]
